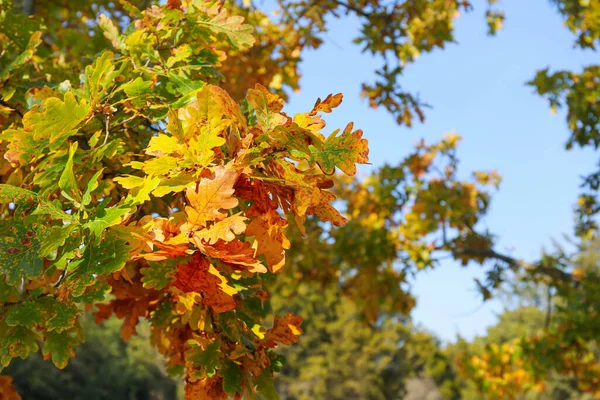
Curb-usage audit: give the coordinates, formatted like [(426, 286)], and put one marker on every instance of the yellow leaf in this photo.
[(226, 229), (162, 145), (212, 195)]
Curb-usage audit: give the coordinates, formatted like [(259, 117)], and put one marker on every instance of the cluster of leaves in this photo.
[(500, 371), (105, 367), (560, 342), (403, 219), (579, 92), (142, 179), (567, 344)]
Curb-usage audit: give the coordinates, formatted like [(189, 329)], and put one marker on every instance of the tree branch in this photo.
[(515, 263), (348, 7)]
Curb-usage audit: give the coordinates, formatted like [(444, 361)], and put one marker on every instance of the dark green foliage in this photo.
[(105, 368)]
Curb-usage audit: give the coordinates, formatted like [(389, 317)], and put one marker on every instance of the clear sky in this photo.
[(476, 87)]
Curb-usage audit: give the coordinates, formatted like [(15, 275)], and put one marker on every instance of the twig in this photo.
[(8, 105), (61, 278), (106, 125)]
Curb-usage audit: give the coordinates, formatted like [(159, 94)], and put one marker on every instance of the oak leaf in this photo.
[(327, 105), (211, 196), (343, 151), (225, 230), (198, 275), (269, 239), (237, 254), (285, 330)]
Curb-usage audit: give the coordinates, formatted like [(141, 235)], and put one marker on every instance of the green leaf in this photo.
[(182, 53), (53, 209), (174, 184), (7, 292), (137, 87), (237, 33), (22, 147), (63, 317), (22, 197), (186, 87), (159, 274), (67, 181), (160, 166), (34, 41), (141, 194), (104, 258), (27, 314), (344, 152), (55, 239), (266, 387), (91, 186), (207, 360), (99, 78), (58, 118), (94, 293), (60, 347), (232, 377), (107, 217), (16, 341), (17, 195), (20, 242)]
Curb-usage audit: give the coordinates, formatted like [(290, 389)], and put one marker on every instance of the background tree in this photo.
[(105, 367)]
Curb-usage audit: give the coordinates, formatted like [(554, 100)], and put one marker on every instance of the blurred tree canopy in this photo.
[(105, 367)]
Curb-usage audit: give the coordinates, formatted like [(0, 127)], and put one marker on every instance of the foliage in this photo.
[(148, 172), (552, 351), (143, 179), (105, 367), (580, 93), (394, 32), (340, 356)]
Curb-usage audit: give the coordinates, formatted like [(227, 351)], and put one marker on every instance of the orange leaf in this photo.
[(236, 254), (7, 390), (198, 275), (270, 241), (285, 330), (205, 389), (327, 105), (226, 229), (174, 4)]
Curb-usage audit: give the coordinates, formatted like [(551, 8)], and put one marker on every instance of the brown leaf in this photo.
[(198, 275)]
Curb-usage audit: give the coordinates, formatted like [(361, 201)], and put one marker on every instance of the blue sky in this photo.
[(476, 87)]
